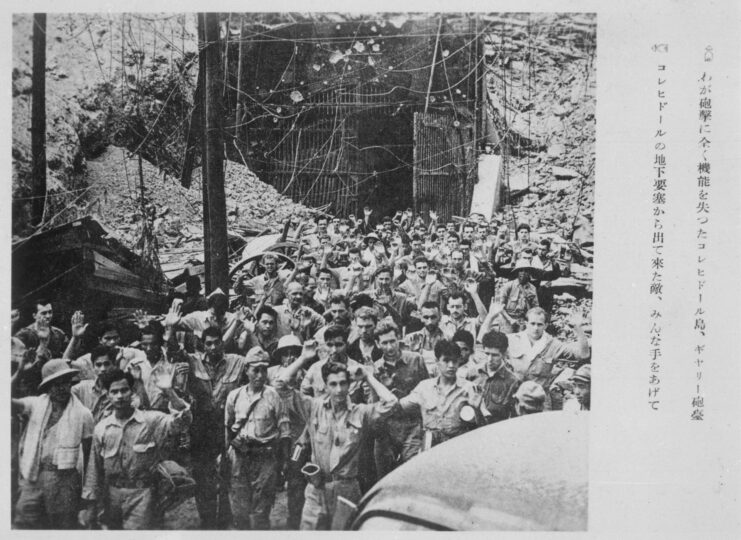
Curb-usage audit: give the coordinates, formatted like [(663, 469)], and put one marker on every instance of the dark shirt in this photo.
[(354, 352), (496, 391), (30, 378), (401, 378)]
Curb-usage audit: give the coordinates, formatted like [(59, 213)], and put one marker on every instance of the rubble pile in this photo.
[(541, 75), (252, 206), (564, 306)]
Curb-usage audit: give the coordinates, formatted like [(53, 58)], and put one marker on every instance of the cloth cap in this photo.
[(257, 356), (54, 370), (583, 374), (530, 395)]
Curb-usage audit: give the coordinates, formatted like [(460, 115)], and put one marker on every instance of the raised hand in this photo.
[(475, 398), (78, 324), (163, 380), (141, 318), (415, 340), (173, 315), (363, 372), (309, 348), (295, 323), (135, 370), (471, 286), (433, 215), (242, 314), (181, 368)]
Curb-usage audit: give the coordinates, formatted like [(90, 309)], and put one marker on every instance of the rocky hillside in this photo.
[(541, 78), (93, 107)]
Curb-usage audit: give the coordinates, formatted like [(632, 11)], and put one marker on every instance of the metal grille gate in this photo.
[(444, 165)]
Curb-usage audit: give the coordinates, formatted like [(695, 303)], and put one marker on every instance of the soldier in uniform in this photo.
[(399, 437), (211, 376), (440, 401), (337, 428), (127, 446), (91, 392), (423, 341), (537, 356), (495, 381), (289, 349), (257, 429)]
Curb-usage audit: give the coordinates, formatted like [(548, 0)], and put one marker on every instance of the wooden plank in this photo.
[(120, 277), (113, 287), (486, 191)]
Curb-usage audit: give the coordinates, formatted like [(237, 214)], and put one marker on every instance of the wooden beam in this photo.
[(38, 120), (212, 150)]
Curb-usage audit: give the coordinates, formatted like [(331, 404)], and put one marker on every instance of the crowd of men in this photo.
[(382, 340)]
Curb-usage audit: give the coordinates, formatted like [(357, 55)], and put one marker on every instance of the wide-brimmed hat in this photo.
[(55, 370), (372, 236), (527, 263), (287, 342)]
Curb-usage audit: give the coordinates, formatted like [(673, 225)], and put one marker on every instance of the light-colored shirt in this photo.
[(337, 437), (286, 315), (440, 407), (313, 383), (518, 298), (274, 286), (450, 326), (423, 340), (412, 287), (93, 396), (535, 361), (268, 419), (73, 426), (130, 448), (198, 321), (125, 356)]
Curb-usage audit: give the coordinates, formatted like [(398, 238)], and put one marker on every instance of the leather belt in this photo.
[(122, 482)]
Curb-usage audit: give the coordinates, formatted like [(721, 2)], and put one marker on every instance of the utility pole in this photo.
[(240, 60), (212, 149), (38, 120)]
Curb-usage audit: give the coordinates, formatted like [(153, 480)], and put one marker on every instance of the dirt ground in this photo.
[(185, 516)]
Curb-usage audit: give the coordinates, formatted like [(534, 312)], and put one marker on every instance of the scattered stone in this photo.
[(556, 150), (563, 172)]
